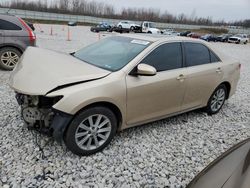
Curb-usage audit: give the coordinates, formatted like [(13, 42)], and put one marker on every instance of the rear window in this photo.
[(196, 54), (6, 25), (214, 58)]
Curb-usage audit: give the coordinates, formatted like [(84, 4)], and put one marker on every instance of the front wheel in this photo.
[(217, 100), (9, 57), (91, 131)]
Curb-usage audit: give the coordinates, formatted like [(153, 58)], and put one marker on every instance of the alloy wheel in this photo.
[(93, 132), (218, 99), (9, 58)]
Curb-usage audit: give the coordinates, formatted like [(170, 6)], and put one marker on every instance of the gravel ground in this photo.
[(164, 153)]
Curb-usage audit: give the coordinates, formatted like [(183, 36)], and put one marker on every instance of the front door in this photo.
[(153, 97)]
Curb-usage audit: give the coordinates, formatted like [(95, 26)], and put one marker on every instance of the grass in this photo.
[(56, 22)]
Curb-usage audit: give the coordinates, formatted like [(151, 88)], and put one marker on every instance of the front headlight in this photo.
[(47, 102)]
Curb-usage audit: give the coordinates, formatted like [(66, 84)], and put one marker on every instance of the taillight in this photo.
[(32, 36)]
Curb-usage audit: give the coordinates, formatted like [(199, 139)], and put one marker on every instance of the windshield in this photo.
[(112, 53), (151, 25)]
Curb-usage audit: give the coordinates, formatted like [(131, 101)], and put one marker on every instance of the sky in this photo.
[(228, 10)]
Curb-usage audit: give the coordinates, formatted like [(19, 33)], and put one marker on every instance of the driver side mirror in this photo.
[(146, 70)]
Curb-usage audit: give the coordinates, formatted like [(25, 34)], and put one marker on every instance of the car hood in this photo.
[(40, 71), (231, 169)]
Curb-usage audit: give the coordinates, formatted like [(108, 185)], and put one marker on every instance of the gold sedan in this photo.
[(84, 98)]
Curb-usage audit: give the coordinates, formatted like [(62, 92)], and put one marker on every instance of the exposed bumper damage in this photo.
[(38, 114)]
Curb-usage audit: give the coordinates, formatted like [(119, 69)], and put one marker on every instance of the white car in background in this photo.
[(239, 38), (127, 25), (170, 32)]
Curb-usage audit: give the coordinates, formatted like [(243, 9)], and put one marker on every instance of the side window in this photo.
[(214, 58), (5, 25), (165, 57), (196, 54)]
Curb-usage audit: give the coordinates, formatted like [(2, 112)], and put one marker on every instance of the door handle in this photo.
[(181, 77), (218, 70)]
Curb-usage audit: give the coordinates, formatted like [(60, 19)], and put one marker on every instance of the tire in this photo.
[(217, 98), (132, 28), (9, 57), (82, 139), (120, 27), (149, 32)]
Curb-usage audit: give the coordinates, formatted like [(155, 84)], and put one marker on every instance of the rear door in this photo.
[(204, 74), (1, 36), (12, 32), (1, 32)]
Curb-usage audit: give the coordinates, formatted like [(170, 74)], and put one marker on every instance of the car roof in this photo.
[(158, 37), (164, 38)]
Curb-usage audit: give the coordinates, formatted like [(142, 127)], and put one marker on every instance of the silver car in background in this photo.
[(15, 36)]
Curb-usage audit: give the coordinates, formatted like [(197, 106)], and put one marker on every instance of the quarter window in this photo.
[(165, 57), (196, 54), (5, 25), (214, 58)]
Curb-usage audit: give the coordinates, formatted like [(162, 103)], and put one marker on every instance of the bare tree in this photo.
[(75, 6), (64, 4)]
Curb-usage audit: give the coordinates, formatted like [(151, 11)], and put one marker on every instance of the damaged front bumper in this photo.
[(38, 114)]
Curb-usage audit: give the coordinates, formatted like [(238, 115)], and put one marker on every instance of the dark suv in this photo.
[(15, 36)]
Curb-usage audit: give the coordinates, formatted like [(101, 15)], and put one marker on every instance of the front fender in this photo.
[(79, 96)]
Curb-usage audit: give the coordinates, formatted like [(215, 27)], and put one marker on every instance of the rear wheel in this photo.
[(217, 100), (91, 131), (9, 57), (132, 28)]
